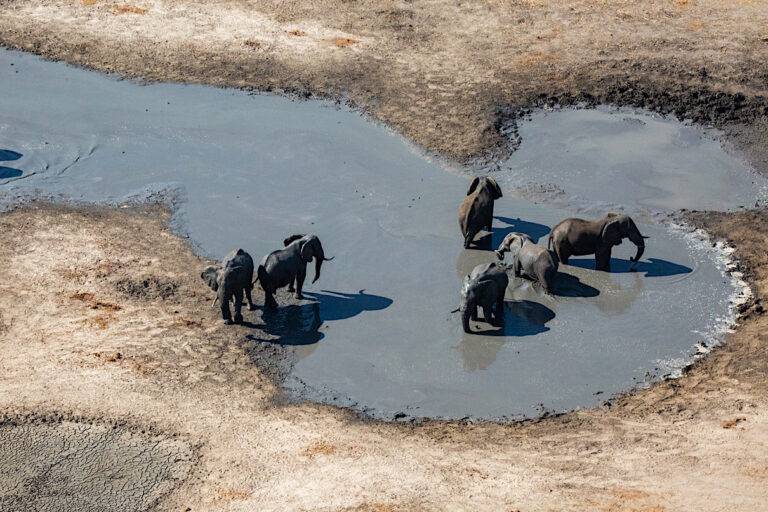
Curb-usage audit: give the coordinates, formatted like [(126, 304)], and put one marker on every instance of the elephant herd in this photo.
[(284, 267), (484, 287)]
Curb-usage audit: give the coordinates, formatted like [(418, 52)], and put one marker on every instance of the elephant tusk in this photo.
[(645, 236), (329, 259), (455, 310), (215, 299)]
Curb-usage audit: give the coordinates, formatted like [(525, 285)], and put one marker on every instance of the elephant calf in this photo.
[(287, 266), (577, 237), (484, 287), (476, 211), (530, 259), (233, 278)]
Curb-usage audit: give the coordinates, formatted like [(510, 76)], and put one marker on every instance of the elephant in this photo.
[(476, 211), (287, 266), (577, 237), (484, 286), (530, 259), (233, 278)]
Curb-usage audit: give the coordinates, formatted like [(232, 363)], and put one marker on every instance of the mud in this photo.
[(68, 465), (263, 168)]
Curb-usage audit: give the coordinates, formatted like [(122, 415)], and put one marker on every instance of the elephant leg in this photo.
[(238, 307), (251, 305), (225, 314), (473, 315), (603, 259), (269, 298), (562, 253), (500, 307), (488, 313), (470, 237), (291, 287), (517, 268), (300, 276)]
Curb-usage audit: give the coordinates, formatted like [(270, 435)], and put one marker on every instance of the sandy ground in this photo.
[(103, 316)]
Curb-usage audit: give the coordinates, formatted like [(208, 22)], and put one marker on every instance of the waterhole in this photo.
[(376, 332)]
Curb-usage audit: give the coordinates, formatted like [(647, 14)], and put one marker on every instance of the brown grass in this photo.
[(319, 448), (297, 33), (222, 494), (735, 421), (127, 9), (112, 357), (252, 43), (185, 322), (343, 42), (93, 303), (89, 2)]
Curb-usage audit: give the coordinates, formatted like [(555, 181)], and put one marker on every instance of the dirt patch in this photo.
[(146, 288), (86, 466), (127, 9), (319, 448), (343, 42), (732, 423)]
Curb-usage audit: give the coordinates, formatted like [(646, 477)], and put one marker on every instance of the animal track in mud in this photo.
[(86, 466)]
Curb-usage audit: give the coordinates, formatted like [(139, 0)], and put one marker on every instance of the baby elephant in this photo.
[(476, 211), (484, 287), (530, 259), (233, 278)]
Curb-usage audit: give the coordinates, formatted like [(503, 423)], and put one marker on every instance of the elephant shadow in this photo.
[(6, 155), (489, 241), (568, 285), (653, 267), (300, 324), (522, 318), (532, 229)]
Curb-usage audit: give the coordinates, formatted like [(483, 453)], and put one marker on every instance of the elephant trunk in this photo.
[(466, 311), (638, 240), (319, 258)]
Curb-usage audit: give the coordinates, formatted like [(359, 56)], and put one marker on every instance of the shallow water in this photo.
[(375, 332), (609, 158)]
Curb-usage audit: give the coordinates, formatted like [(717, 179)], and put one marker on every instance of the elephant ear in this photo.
[(308, 248), (210, 275), (612, 232), (495, 188), (292, 239), (473, 185)]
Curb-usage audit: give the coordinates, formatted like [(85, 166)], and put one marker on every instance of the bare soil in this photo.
[(103, 314)]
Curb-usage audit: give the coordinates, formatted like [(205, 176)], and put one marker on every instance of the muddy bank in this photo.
[(375, 332), (51, 464), (447, 75)]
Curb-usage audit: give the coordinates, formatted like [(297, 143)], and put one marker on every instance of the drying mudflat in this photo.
[(108, 343)]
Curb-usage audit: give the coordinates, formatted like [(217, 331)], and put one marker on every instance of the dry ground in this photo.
[(104, 317)]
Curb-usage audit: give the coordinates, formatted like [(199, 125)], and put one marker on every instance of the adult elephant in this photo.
[(484, 287), (577, 237), (476, 211), (287, 266), (230, 281), (530, 259)]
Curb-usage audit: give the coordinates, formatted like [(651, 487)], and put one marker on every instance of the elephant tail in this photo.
[(549, 241), (261, 275)]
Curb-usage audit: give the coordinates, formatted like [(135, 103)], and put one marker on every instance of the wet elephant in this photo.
[(476, 211), (288, 266), (484, 287), (530, 259), (578, 237), (230, 281)]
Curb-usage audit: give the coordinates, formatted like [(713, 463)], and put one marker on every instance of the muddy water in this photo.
[(610, 158), (375, 332)]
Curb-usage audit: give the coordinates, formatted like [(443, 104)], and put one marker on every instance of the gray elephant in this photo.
[(230, 281), (287, 266), (484, 287), (476, 211), (530, 259), (577, 237)]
